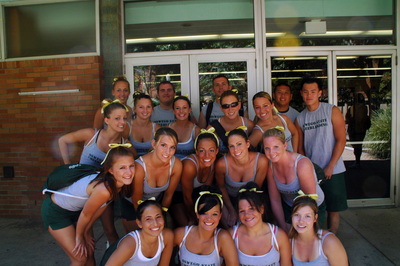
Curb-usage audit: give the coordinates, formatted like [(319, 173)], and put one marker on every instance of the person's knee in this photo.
[(77, 260)]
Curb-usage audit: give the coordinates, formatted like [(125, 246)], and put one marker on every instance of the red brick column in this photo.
[(31, 124)]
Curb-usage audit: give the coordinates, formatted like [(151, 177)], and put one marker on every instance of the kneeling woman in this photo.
[(236, 169), (151, 245), (157, 175), (83, 202), (205, 244), (258, 242), (288, 173), (311, 245)]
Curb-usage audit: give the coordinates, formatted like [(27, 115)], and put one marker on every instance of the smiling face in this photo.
[(263, 108), (248, 214), (152, 221), (238, 146), (210, 219), (121, 91), (282, 96), (274, 148), (230, 112), (303, 219), (166, 94), (143, 108), (207, 152), (164, 148), (117, 120), (123, 170), (182, 110)]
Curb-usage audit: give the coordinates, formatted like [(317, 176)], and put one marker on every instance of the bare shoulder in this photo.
[(331, 242), (262, 158), (224, 235), (304, 164), (178, 235), (168, 235), (177, 165)]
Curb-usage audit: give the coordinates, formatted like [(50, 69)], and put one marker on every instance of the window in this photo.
[(50, 29), (183, 25), (326, 22)]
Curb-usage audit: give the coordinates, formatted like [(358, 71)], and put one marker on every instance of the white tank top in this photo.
[(138, 259), (188, 258), (272, 257)]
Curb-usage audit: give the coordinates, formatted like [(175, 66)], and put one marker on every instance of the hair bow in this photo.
[(106, 103), (115, 145), (183, 95), (211, 130), (281, 128), (302, 194), (207, 193), (251, 189), (235, 91), (165, 209), (244, 128)]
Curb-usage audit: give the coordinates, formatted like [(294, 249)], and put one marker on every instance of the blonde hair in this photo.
[(277, 132), (166, 131)]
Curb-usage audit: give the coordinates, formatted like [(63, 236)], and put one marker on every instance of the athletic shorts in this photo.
[(287, 210), (128, 211), (57, 217), (335, 193)]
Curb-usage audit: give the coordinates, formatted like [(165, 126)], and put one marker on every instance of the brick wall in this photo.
[(30, 125)]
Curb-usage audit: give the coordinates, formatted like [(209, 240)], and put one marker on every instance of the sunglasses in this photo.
[(227, 105)]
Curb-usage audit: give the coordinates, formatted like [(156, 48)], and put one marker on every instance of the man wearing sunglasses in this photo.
[(212, 111)]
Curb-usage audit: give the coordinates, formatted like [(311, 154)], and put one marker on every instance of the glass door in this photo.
[(364, 95), (239, 68), (360, 85), (193, 74), (144, 73)]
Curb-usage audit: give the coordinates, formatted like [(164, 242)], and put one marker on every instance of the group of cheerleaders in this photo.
[(220, 207)]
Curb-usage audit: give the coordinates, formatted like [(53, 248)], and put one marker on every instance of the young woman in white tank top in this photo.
[(151, 245), (236, 169), (288, 174), (96, 142), (204, 244), (157, 169), (267, 117), (88, 199), (310, 245), (198, 170), (258, 242)]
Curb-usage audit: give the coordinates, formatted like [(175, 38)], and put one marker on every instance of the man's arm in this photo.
[(339, 130)]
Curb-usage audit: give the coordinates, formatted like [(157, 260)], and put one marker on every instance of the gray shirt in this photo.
[(319, 138), (162, 117), (291, 113)]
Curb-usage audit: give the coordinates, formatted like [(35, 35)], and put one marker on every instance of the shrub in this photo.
[(380, 131)]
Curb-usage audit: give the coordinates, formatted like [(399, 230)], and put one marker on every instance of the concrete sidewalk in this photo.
[(371, 236)]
